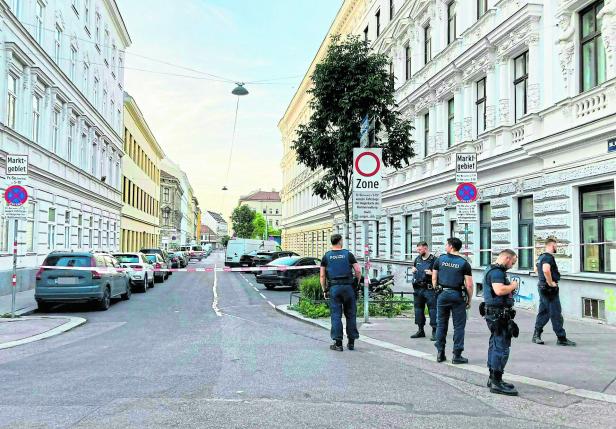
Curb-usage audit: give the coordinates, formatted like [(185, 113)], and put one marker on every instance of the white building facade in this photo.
[(61, 89), (529, 86)]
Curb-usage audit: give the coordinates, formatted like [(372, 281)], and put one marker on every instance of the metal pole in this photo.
[(14, 278), (366, 279), (466, 254)]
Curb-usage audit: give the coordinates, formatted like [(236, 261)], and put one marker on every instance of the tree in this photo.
[(350, 83), (259, 226), (242, 218), (225, 240)]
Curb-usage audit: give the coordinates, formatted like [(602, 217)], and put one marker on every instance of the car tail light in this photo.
[(137, 267), (39, 273), (157, 266), (96, 275)]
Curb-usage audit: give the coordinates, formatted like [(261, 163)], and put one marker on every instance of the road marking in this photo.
[(256, 290), (251, 284), (215, 301), (262, 296), (271, 303)]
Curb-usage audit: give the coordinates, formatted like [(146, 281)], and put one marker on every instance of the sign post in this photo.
[(466, 211), (16, 197), (367, 175)]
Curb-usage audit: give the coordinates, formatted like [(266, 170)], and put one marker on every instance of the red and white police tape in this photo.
[(185, 270)]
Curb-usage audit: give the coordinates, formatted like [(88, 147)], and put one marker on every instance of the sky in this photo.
[(192, 118)]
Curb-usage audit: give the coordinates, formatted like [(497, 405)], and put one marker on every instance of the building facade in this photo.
[(527, 85), (266, 203), (171, 197), (140, 224), (216, 223), (61, 91), (306, 219)]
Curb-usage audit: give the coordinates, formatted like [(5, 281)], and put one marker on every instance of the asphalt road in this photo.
[(208, 351)]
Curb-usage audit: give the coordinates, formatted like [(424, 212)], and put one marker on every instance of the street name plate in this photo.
[(466, 167)]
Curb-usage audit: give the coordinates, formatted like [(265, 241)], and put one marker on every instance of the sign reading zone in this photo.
[(367, 167)]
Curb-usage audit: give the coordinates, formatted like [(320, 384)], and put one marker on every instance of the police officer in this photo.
[(338, 267), (549, 302), (423, 292), (499, 315), (453, 279)]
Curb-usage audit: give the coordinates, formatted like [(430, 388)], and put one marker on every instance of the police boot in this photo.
[(433, 337), (351, 344), (508, 385), (420, 333), (458, 358), (337, 346), (537, 337), (440, 356), (563, 341), (497, 386)]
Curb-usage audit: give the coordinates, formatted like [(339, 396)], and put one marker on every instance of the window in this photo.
[(593, 308), (57, 51), (165, 195), (104, 102), (598, 226), (51, 229), (426, 133), (480, 103), (366, 34), (75, 4), (106, 47), (113, 57), (378, 22), (525, 233), (36, 117), (67, 229), (391, 238), (593, 65), (451, 117), (454, 228), (426, 227), (427, 44), (482, 8), (86, 12), (11, 101), (451, 22), (69, 141), (520, 83), (86, 80), (95, 98), (30, 227), (392, 9), (407, 62), (97, 29), (73, 65), (17, 9), (82, 152), (39, 12), (55, 131), (111, 111), (485, 234), (408, 233)]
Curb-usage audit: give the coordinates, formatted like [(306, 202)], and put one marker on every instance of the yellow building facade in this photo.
[(140, 222), (307, 221)]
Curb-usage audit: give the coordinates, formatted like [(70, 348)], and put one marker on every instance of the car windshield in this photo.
[(284, 261), (151, 258), (150, 251), (68, 261), (197, 248), (127, 259)]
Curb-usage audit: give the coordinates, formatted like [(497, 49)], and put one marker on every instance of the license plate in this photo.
[(66, 280), (268, 273)]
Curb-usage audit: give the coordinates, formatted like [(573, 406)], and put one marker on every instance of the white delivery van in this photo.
[(242, 246)]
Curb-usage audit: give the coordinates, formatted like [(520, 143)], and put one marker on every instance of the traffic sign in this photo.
[(367, 175), (466, 213), (466, 167), (16, 169), (16, 195), (466, 192)]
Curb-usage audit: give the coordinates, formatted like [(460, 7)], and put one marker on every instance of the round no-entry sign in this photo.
[(466, 192), (16, 195), (367, 164)]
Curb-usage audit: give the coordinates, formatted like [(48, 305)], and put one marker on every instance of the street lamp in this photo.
[(239, 91)]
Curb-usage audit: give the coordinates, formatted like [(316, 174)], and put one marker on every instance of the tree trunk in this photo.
[(347, 220)]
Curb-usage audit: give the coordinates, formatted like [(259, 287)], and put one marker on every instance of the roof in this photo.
[(207, 230), (217, 217), (261, 196)]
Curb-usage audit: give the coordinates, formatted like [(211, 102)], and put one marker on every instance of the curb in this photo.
[(72, 323), (556, 387)]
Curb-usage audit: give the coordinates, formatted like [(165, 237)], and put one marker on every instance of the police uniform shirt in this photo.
[(339, 266), (495, 274), (547, 258), (422, 265), (451, 270)]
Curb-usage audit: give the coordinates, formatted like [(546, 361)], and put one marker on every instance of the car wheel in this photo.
[(105, 302), (126, 296), (146, 284), (270, 287), (43, 307), (158, 279)]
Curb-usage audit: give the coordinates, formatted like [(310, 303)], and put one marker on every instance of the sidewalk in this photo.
[(24, 303), (588, 367), (23, 330)]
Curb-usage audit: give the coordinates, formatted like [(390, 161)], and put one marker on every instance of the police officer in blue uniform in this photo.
[(549, 302), (338, 269), (423, 292), (453, 279), (497, 308)]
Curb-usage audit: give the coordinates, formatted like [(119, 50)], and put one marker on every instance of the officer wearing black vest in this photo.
[(452, 277), (549, 302), (338, 269), (497, 308), (423, 293)]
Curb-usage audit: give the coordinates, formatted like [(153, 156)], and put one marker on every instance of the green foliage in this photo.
[(311, 310), (258, 224), (350, 83), (225, 240), (388, 308), (310, 288), (242, 219)]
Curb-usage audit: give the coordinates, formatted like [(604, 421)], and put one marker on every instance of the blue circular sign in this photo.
[(466, 192), (16, 195)]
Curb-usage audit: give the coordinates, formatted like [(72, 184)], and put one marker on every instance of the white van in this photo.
[(241, 246)]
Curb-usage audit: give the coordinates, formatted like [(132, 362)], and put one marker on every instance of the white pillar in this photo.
[(491, 96), (608, 32), (432, 134), (504, 91), (458, 101), (534, 74), (467, 134)]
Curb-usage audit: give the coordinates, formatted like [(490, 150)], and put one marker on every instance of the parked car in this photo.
[(237, 247), (183, 258), (194, 251), (272, 278), (264, 258), (158, 263), (246, 260), (174, 260), (70, 284), (140, 271), (163, 254)]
